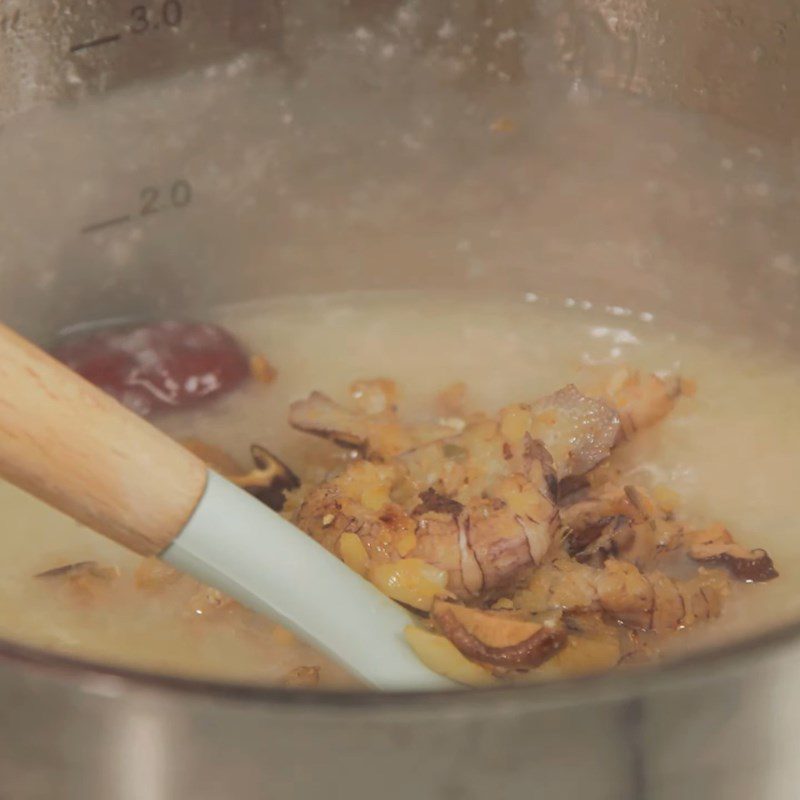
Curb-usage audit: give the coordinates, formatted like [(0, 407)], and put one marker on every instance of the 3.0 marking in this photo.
[(145, 18)]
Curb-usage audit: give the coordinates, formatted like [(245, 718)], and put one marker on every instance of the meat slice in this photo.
[(578, 431), (485, 544)]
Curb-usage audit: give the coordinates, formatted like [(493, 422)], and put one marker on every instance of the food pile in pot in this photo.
[(514, 534), (516, 537)]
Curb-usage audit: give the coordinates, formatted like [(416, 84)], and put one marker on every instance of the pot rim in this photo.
[(613, 685)]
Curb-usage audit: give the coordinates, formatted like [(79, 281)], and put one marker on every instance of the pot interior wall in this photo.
[(396, 145)]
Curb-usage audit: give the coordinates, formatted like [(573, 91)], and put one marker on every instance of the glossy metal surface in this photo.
[(718, 727)]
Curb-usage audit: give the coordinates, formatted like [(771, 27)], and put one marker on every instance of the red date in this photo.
[(158, 366)]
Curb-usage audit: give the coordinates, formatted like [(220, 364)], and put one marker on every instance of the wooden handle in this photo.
[(79, 450)]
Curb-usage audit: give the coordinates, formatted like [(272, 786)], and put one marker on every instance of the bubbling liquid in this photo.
[(731, 453)]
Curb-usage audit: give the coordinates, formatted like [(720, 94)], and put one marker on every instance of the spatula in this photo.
[(69, 444)]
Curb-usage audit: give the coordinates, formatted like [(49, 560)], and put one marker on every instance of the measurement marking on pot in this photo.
[(106, 223), (114, 37), (152, 200), (143, 19)]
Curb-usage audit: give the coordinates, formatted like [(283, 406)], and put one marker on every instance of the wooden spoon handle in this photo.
[(79, 450)]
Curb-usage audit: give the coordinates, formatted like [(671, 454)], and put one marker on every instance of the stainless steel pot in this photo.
[(136, 180)]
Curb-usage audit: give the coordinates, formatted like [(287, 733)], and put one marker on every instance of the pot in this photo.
[(168, 156)]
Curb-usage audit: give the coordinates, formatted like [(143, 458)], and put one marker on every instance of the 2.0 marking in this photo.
[(152, 200), (178, 196)]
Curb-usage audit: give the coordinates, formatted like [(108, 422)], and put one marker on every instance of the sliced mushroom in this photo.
[(269, 481), (374, 435), (612, 537), (320, 415), (496, 637), (583, 543), (596, 509), (81, 569), (717, 546), (620, 521), (599, 525)]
